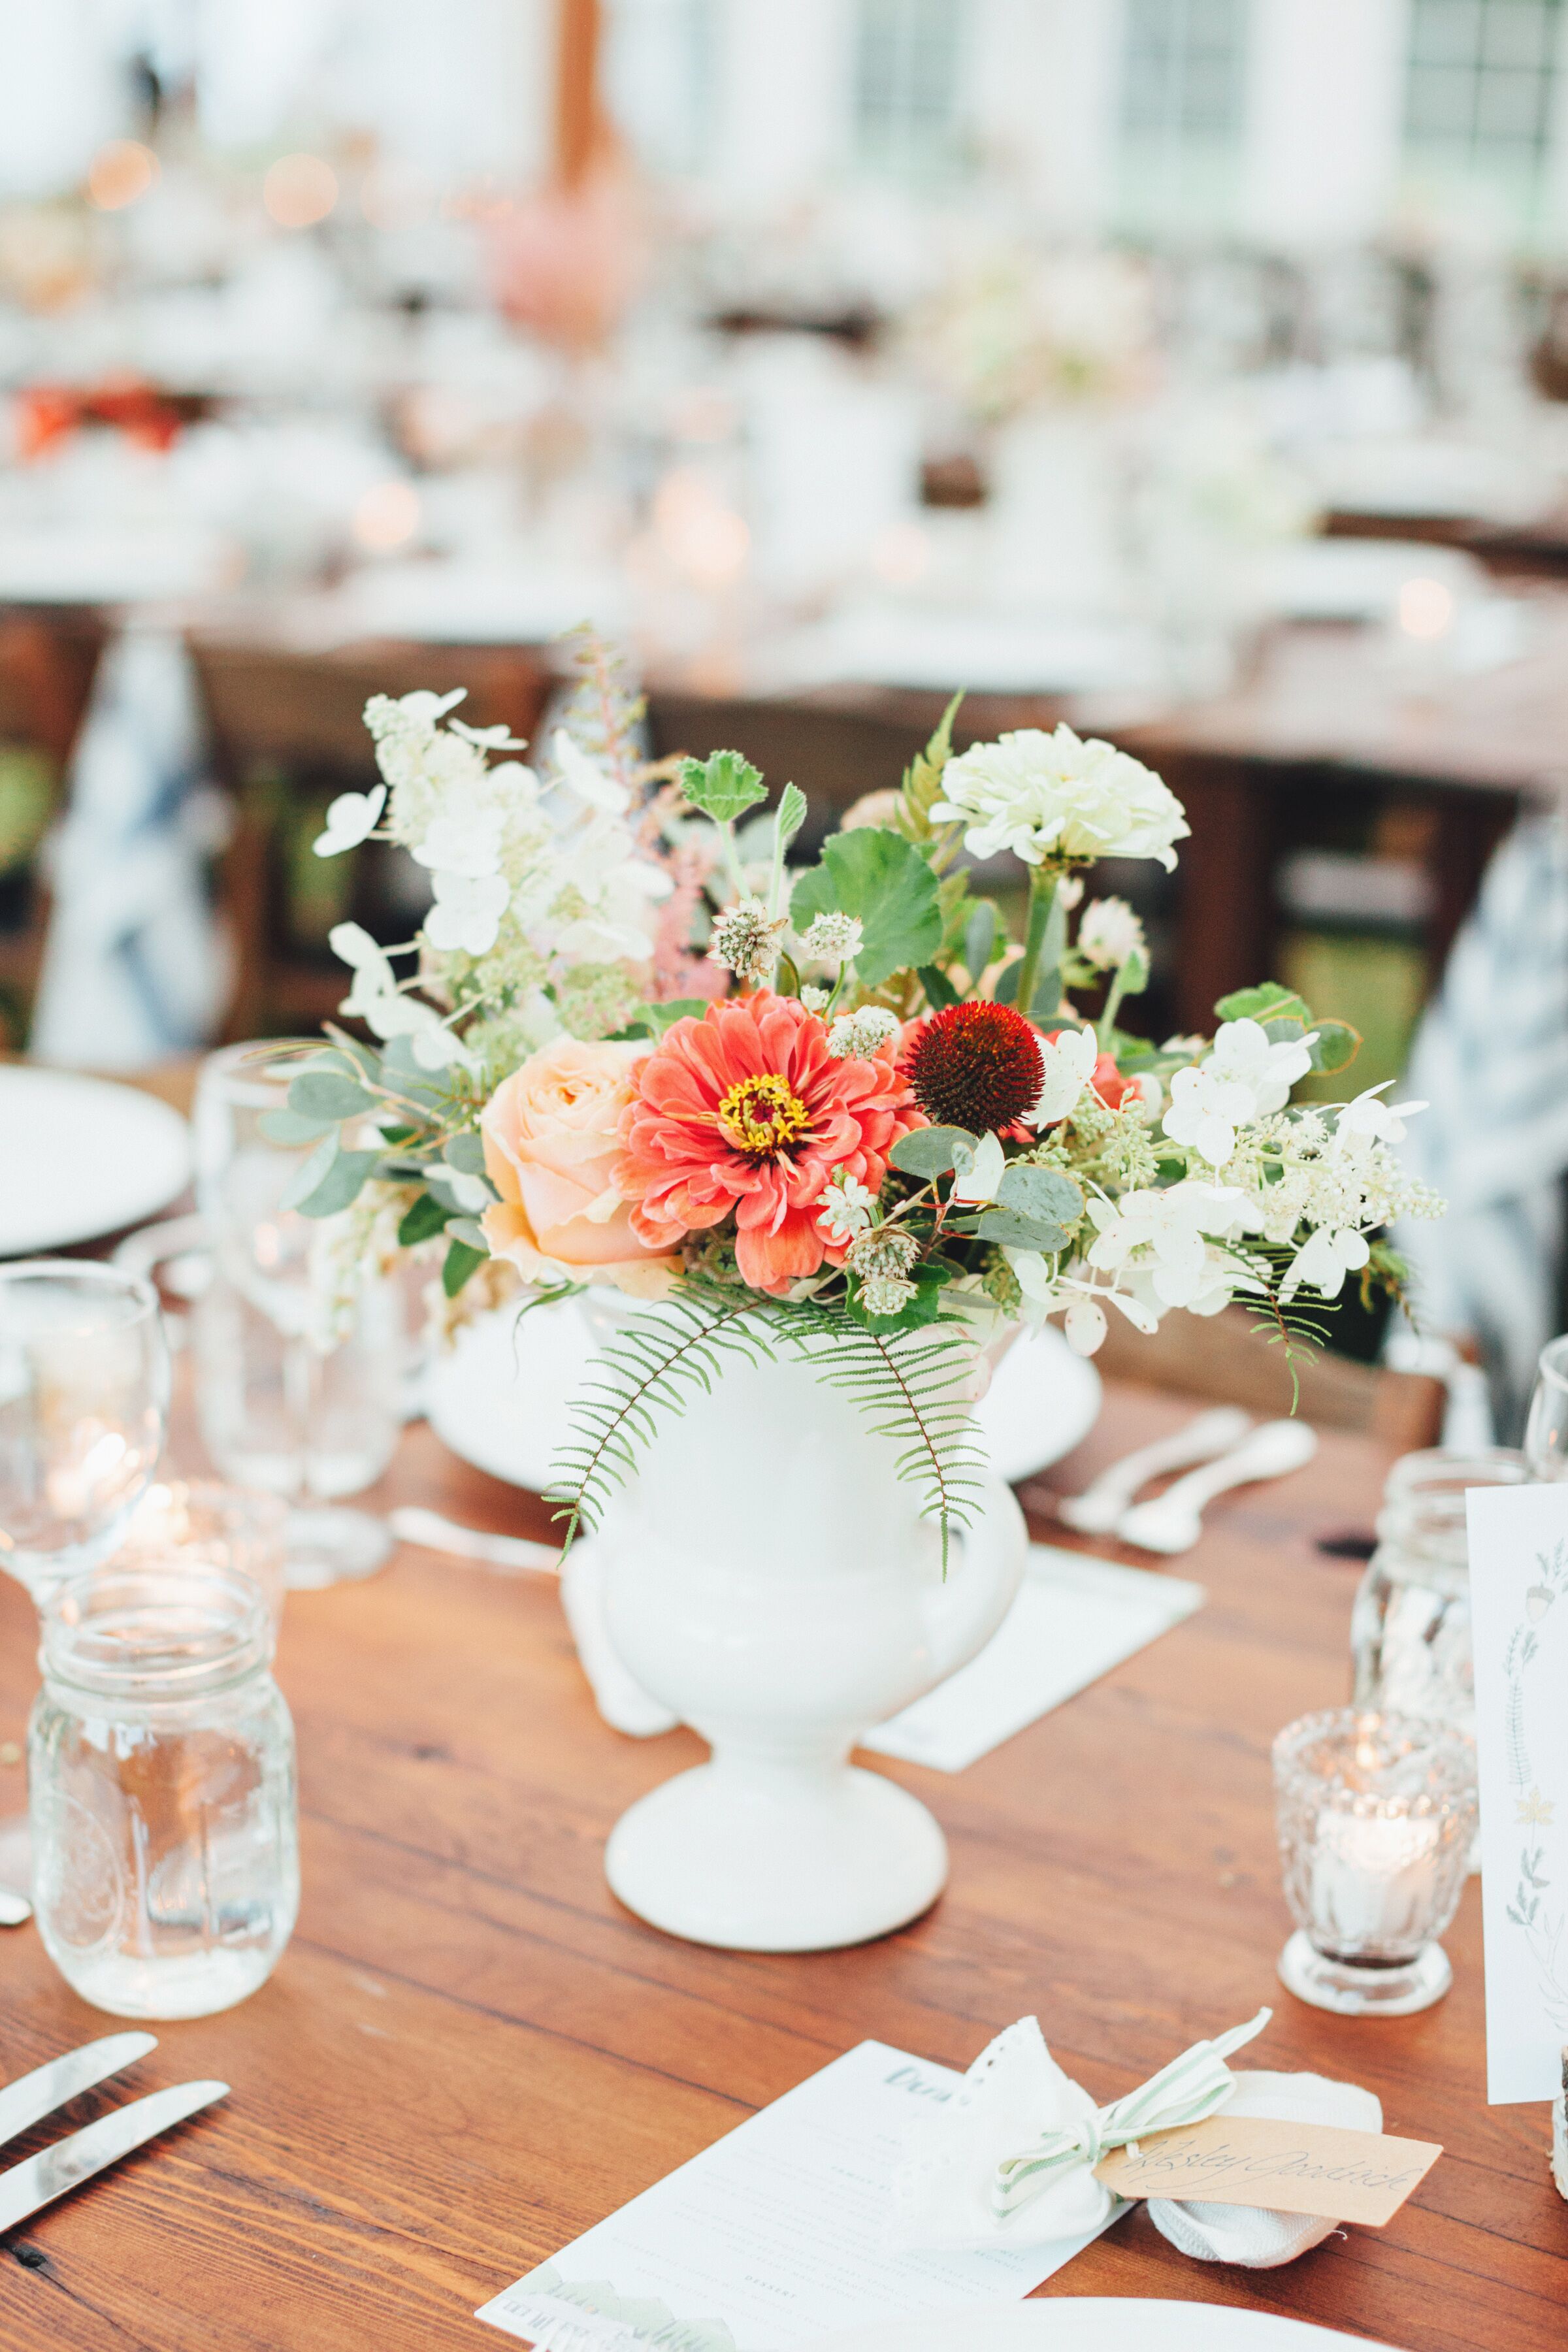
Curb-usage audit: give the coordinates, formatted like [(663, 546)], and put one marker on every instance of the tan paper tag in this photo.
[(1340, 2175)]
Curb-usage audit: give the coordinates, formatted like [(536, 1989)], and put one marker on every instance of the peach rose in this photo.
[(550, 1137)]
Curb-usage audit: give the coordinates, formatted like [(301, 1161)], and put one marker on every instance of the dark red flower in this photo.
[(973, 1065)]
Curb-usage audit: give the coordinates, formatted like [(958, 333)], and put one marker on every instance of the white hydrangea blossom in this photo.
[(1247, 1076), (351, 818), (1110, 935), (1067, 1067), (1164, 1234), (856, 1037), (1055, 797)]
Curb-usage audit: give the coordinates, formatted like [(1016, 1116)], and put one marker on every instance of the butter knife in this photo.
[(31, 2098), (43, 2178)]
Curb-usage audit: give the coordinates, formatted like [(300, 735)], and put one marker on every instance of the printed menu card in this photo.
[(1519, 1614), (772, 2237)]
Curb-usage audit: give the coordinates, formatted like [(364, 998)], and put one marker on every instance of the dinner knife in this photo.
[(43, 2178), (32, 2097)]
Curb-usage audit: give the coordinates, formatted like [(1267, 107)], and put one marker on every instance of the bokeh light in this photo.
[(1426, 608), (700, 533), (299, 190), (386, 516), (120, 173)]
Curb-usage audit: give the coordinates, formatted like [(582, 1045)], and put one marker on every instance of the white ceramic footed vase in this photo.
[(769, 1578)]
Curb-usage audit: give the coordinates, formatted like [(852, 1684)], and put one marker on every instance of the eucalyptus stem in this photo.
[(1042, 897)]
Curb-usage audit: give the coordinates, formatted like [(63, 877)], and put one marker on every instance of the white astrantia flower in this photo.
[(1110, 934), (833, 938), (1067, 1065), (815, 1000), (350, 819), (586, 778), (745, 941), (467, 843), (465, 917), (886, 1294), (1055, 797), (978, 1178), (856, 1037), (844, 1209)]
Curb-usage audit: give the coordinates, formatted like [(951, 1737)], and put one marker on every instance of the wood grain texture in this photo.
[(470, 2053)]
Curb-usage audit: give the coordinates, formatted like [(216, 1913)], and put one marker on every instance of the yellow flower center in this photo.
[(761, 1114)]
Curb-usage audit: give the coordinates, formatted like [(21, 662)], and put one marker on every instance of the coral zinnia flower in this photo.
[(746, 1110), (974, 1065)]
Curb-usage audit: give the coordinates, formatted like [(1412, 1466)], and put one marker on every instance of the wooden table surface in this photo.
[(470, 2053)]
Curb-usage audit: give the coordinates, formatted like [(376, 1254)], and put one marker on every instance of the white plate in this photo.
[(82, 1157), (500, 1398), (1099, 2324)]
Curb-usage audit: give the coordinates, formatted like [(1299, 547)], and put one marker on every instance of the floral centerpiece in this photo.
[(810, 1138), (832, 1106)]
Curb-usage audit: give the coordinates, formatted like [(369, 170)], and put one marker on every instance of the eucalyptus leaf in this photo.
[(1015, 1231), (459, 1263), (1044, 1193), (883, 879), (288, 1128), (308, 1173), (339, 1188), (723, 786), (931, 1150), (466, 1153), (421, 1220), (980, 938), (939, 990), (323, 1094), (467, 1231)]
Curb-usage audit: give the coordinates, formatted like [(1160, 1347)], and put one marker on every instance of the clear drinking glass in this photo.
[(84, 1401), (1410, 1628), (1546, 1429), (1375, 1816), (278, 1410), (201, 1520), (161, 1790)]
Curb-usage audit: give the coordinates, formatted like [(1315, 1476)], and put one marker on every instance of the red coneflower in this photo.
[(975, 1066)]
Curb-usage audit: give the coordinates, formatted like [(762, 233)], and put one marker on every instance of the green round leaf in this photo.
[(883, 879)]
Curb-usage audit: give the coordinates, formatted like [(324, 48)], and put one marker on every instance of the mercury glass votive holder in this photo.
[(1377, 1812)]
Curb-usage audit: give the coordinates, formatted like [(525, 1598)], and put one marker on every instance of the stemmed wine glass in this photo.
[(279, 1410), (1546, 1430), (84, 1405)]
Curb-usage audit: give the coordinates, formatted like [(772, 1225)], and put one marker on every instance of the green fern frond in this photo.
[(646, 1372)]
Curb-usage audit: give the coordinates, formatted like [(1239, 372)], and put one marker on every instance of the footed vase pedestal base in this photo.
[(760, 1860)]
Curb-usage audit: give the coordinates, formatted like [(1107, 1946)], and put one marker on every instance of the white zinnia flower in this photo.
[(1067, 1065), (1110, 934), (465, 917), (1056, 796), (350, 819)]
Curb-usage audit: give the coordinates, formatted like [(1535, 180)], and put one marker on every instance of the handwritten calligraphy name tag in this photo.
[(1345, 2176)]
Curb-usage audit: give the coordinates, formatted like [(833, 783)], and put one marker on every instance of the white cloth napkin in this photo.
[(1260, 2241)]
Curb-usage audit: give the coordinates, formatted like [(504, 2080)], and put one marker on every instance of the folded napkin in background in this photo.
[(1257, 2240)]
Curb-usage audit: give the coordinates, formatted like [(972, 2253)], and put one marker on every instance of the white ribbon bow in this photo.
[(1009, 2159), (1191, 2088)]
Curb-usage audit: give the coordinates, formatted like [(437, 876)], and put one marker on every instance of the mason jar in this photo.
[(1410, 1628), (162, 1790)]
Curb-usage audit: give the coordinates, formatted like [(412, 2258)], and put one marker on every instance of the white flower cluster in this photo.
[(856, 1037), (833, 939), (1247, 1074), (1055, 797), (550, 876), (882, 1260), (1110, 935), (846, 1209)]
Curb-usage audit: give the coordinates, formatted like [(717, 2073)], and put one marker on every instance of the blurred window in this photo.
[(660, 78), (1183, 105), (907, 73), (1479, 98)]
